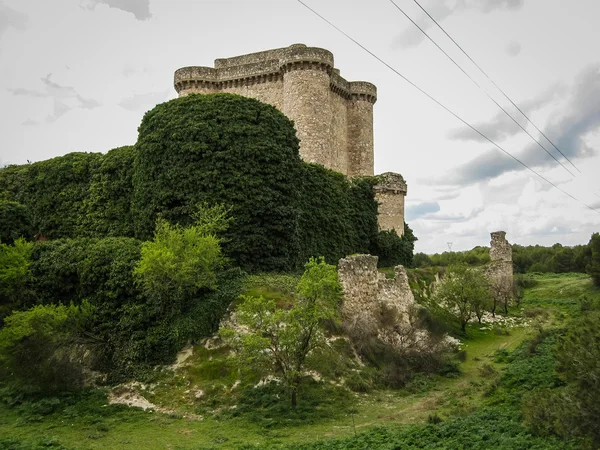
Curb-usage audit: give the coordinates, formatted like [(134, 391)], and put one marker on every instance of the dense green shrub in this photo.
[(37, 347), (128, 331), (222, 149), (14, 275), (393, 250), (15, 222), (593, 267), (108, 205), (53, 191), (338, 217)]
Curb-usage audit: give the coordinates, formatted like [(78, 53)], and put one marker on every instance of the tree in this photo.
[(593, 267), (36, 351), (180, 261), (463, 292), (281, 339), (14, 273)]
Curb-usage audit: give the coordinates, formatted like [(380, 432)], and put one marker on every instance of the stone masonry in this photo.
[(500, 269), (390, 193), (333, 116), (366, 290)]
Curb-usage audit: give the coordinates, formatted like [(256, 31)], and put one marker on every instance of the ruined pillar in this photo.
[(306, 80), (390, 193), (361, 160), (500, 269)]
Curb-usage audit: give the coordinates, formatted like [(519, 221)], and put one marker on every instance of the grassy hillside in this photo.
[(205, 407)]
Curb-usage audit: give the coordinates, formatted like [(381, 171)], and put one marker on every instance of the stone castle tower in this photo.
[(333, 117)]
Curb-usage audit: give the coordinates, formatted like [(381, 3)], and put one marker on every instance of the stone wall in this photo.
[(366, 290), (499, 271), (333, 117), (390, 193)]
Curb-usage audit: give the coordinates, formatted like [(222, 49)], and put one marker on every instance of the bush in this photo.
[(54, 191), (15, 222), (37, 347), (108, 204), (593, 267), (393, 250), (338, 217), (14, 274)]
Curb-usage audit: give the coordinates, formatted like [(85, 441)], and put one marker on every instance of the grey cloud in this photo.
[(11, 18), (487, 6), (421, 209), (459, 218), (65, 98), (513, 48), (411, 36), (139, 102), (139, 8), (566, 129), (439, 10), (501, 127), (489, 165)]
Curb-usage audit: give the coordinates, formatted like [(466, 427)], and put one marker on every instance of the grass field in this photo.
[(325, 413)]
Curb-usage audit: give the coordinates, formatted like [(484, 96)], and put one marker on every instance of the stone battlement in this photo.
[(333, 116)]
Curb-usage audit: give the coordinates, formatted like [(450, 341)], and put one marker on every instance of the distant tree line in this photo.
[(527, 259)]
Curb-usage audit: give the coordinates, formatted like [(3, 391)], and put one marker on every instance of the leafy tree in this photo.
[(283, 338), (463, 292), (593, 267), (54, 191), (15, 222), (180, 261), (36, 351), (14, 274)]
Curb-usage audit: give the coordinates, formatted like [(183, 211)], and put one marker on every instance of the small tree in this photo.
[(180, 261), (36, 347), (464, 292), (282, 339), (14, 273), (593, 267)]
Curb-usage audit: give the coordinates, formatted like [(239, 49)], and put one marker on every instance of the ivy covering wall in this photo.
[(216, 149)]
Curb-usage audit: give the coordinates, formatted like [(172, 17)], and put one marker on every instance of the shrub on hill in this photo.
[(15, 222), (392, 249), (53, 191), (108, 204), (338, 217)]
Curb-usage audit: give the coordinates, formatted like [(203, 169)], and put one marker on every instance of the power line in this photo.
[(479, 86), (494, 83), (441, 104)]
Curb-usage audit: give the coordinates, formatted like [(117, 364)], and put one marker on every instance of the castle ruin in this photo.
[(500, 269), (333, 117)]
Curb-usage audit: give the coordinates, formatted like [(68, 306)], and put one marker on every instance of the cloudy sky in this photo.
[(78, 75)]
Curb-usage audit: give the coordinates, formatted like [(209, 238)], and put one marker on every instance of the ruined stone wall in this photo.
[(366, 290), (499, 271), (333, 117), (390, 193)]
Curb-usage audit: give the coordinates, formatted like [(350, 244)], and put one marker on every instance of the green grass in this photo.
[(482, 401)]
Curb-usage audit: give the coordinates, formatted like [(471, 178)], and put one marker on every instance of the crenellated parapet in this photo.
[(333, 117)]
